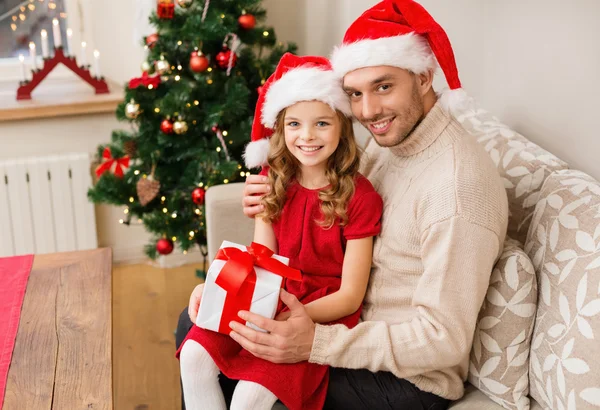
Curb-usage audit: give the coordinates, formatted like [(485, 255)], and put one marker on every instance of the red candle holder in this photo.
[(26, 87)]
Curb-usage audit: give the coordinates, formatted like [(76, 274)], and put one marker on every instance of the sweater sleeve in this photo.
[(458, 257)]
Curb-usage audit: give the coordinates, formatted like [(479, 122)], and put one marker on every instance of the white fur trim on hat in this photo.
[(304, 84), (456, 102), (256, 153), (408, 51)]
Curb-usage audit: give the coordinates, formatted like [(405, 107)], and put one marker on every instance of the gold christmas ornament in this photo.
[(132, 110), (184, 4), (162, 66), (146, 67), (180, 127)]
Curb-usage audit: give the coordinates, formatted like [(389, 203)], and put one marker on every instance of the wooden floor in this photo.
[(147, 302)]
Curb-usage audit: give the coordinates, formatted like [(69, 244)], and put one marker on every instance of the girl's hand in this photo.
[(256, 186), (283, 316), (195, 302)]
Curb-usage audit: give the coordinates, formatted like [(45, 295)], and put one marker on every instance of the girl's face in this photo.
[(312, 133)]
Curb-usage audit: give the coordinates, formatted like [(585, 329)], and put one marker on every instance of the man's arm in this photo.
[(458, 257)]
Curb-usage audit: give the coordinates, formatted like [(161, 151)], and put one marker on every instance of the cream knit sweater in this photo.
[(443, 227)]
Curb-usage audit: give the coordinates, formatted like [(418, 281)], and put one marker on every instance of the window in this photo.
[(23, 22)]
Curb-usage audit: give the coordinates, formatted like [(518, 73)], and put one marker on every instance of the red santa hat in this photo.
[(295, 79), (400, 33)]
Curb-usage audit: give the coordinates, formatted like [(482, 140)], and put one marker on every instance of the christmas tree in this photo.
[(190, 113)]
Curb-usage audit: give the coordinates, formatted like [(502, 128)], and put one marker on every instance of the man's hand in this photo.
[(195, 302), (287, 342), (283, 316), (256, 187)]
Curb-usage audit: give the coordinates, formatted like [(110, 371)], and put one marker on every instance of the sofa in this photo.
[(535, 344)]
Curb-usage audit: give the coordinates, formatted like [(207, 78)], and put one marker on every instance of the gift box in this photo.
[(242, 278)]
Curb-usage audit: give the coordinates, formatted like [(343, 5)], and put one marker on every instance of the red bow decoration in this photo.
[(108, 162), (238, 278), (144, 80)]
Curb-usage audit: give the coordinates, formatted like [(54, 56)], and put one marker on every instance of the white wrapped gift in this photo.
[(218, 306)]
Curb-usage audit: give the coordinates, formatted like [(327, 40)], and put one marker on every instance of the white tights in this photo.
[(201, 389)]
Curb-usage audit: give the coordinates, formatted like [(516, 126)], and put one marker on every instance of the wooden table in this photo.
[(63, 356)]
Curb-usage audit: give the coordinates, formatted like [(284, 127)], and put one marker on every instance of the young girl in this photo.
[(320, 213)]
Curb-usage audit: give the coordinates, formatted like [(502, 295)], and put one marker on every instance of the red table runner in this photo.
[(14, 273)]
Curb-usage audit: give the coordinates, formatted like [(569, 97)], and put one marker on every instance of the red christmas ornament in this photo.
[(166, 126), (259, 89), (164, 246), (166, 9), (215, 128), (198, 62), (151, 40), (224, 56), (247, 21), (198, 196)]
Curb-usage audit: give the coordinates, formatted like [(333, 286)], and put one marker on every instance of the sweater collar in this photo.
[(425, 134)]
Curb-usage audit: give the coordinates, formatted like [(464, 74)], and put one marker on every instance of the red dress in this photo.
[(319, 254)]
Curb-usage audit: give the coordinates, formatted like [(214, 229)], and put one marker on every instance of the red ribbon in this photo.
[(238, 278), (108, 161), (144, 80)]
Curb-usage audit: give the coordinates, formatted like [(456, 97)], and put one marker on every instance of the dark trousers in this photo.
[(350, 389)]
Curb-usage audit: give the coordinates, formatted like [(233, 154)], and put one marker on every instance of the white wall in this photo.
[(541, 63)]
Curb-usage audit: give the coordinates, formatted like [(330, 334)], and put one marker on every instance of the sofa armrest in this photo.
[(225, 219)]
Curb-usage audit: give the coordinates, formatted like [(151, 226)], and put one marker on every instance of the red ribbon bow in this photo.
[(108, 161), (238, 278), (144, 80)]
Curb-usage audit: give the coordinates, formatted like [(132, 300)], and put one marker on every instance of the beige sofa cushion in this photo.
[(564, 245), (499, 363), (522, 165), (225, 219), (474, 399)]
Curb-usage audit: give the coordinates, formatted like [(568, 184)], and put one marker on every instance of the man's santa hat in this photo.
[(295, 79), (400, 33)]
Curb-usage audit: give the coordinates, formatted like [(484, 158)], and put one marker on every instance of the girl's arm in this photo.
[(355, 277), (264, 234)]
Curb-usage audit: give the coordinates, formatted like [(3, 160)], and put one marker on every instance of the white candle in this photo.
[(97, 64), (32, 55), (56, 32), (70, 41), (45, 43), (83, 54), (23, 71)]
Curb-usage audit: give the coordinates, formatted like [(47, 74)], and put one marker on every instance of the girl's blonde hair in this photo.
[(342, 167)]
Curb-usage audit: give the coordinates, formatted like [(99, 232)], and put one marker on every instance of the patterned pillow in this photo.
[(564, 245), (500, 356), (522, 165)]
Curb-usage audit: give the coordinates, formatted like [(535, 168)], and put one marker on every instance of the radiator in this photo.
[(44, 206)]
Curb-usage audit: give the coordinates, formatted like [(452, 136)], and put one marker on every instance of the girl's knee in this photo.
[(192, 350), (194, 356), (252, 396)]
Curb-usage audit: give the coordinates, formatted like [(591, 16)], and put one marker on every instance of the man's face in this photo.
[(386, 100)]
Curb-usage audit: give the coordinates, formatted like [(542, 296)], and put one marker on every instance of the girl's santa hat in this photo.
[(295, 79), (400, 33)]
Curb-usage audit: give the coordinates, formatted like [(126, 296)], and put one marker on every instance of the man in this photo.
[(443, 227)]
